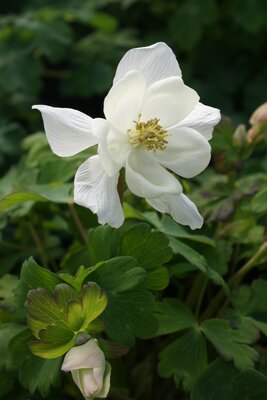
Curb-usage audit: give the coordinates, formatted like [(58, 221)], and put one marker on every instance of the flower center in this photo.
[(149, 135)]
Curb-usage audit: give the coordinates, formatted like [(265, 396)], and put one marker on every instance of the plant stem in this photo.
[(39, 245), (194, 291), (120, 186), (201, 295), (237, 278), (16, 246), (78, 222), (234, 282)]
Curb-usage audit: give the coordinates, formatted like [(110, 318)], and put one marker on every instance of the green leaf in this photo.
[(54, 342), (198, 261), (150, 252), (173, 316), (169, 227), (130, 308), (118, 275), (37, 193), (77, 280), (185, 358), (33, 276), (57, 318), (259, 201), (189, 254), (103, 243), (221, 381), (39, 374), (157, 279), (19, 347), (8, 284), (15, 199), (130, 314), (7, 332), (231, 344), (250, 307), (112, 349)]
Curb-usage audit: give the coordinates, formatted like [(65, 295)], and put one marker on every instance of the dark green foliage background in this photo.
[(64, 53), (191, 333)]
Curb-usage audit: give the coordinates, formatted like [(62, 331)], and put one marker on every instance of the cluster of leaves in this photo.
[(64, 53), (190, 308)]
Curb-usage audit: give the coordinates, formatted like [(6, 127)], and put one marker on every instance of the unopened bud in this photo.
[(258, 121)]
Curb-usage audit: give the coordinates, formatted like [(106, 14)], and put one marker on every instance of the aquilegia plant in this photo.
[(143, 309), (155, 126)]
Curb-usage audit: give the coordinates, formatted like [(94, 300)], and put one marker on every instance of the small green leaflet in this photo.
[(232, 344), (57, 318)]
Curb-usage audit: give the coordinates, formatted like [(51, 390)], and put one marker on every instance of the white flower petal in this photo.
[(203, 119), (68, 131), (123, 102), (99, 375), (88, 355), (155, 62), (89, 384), (170, 100), (102, 130), (180, 207), (187, 152), (106, 382), (94, 189), (146, 178), (76, 376)]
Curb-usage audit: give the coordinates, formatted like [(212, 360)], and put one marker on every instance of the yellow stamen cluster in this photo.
[(149, 135)]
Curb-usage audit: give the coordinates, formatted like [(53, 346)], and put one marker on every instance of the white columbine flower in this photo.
[(154, 125), (90, 371)]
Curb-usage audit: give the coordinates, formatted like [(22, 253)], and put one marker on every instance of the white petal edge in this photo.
[(68, 131), (203, 119), (146, 178), (102, 130), (180, 207), (170, 100), (88, 355), (187, 153), (94, 189), (155, 62), (106, 382), (123, 102)]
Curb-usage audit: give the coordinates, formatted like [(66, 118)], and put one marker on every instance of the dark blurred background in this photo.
[(65, 52)]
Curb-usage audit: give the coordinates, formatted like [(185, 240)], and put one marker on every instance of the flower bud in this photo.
[(90, 371), (259, 115), (258, 120)]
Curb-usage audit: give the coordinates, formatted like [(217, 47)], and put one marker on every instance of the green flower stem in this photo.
[(201, 295), (15, 246), (193, 295), (237, 278), (233, 283), (78, 222), (121, 184)]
